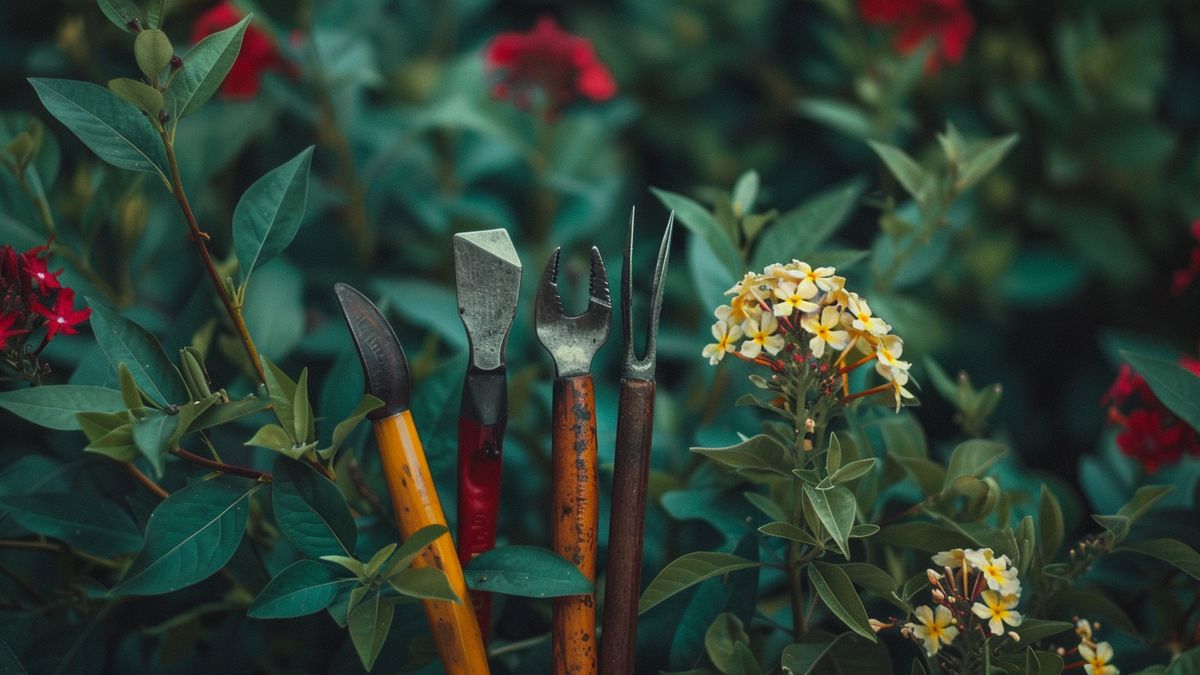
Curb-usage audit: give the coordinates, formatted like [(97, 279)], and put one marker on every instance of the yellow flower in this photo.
[(823, 333), (725, 335), (753, 287), (863, 320), (997, 610), (995, 571), (1096, 659), (1083, 628), (821, 277), (935, 629), (791, 296), (761, 335), (952, 558), (887, 355)]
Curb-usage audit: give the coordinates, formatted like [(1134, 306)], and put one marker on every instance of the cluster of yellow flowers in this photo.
[(1096, 655), (798, 314), (975, 580)]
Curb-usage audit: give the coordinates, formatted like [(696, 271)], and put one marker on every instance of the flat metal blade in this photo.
[(487, 277), (385, 368)]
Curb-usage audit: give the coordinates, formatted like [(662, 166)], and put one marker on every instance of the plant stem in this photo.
[(146, 481), (520, 645), (199, 237), (262, 476)]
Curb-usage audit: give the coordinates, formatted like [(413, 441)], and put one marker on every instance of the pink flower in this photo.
[(562, 66)]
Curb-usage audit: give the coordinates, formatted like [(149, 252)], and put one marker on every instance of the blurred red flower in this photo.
[(946, 21), (1150, 433), (6, 328), (563, 66), (257, 56), (1184, 278)]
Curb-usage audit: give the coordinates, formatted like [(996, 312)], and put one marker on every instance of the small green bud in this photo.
[(153, 51)]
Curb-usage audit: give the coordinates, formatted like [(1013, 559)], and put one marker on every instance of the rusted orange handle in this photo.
[(416, 503), (576, 518)]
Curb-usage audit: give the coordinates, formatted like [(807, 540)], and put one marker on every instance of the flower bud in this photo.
[(938, 596), (176, 62), (1014, 636), (934, 577), (877, 625)]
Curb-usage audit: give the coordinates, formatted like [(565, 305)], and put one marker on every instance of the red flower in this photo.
[(35, 267), (1154, 437), (63, 317), (561, 65), (6, 323), (946, 21), (1128, 385), (257, 56)]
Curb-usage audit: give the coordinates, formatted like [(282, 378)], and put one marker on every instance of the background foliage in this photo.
[(1035, 275)]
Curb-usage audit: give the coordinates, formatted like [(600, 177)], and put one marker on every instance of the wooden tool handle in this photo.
[(576, 516), (416, 504), (635, 425)]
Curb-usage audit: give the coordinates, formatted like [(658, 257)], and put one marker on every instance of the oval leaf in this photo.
[(528, 571), (204, 68), (55, 406), (836, 591), (1170, 551), (108, 125), (93, 525), (423, 583), (268, 215), (124, 341), (689, 570), (304, 587), (311, 510), (836, 509), (190, 536)]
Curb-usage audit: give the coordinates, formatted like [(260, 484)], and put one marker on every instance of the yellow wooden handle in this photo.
[(415, 501)]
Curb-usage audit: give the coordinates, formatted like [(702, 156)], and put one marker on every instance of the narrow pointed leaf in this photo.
[(55, 406), (95, 526), (270, 212), (423, 583), (689, 570), (1170, 551), (311, 510), (836, 510), (837, 592), (204, 68), (413, 546), (369, 623), (152, 435), (124, 341)]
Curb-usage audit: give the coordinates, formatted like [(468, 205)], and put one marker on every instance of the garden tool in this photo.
[(635, 427), (414, 495), (572, 342), (488, 277)]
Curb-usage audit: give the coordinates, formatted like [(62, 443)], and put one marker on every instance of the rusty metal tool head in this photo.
[(488, 281), (414, 495), (573, 340), (634, 367), (631, 466)]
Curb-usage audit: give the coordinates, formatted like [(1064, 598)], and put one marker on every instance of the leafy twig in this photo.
[(263, 476)]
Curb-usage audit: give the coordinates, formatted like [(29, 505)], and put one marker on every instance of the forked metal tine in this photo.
[(643, 368), (573, 340)]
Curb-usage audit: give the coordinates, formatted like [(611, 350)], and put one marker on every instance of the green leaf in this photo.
[(369, 623), (304, 587), (302, 424), (527, 571), (282, 390), (689, 570), (849, 472), (129, 389), (152, 435), (697, 219), (155, 13), (204, 68), (802, 658), (1177, 387), (120, 12), (765, 504), (423, 583), (124, 341), (1119, 524), (153, 51), (972, 458), (799, 233), (869, 577), (190, 536), (9, 664), (224, 413), (1170, 551), (92, 525), (745, 193), (55, 406), (790, 532), (760, 458), (414, 545), (980, 157), (372, 567), (1050, 525), (366, 406), (270, 212), (837, 592), (1032, 630), (274, 437), (836, 508), (721, 640), (924, 537), (352, 564), (148, 99), (109, 126), (906, 170), (311, 510), (1093, 604)]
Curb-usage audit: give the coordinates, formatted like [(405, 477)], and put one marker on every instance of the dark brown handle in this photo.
[(635, 426), (576, 519)]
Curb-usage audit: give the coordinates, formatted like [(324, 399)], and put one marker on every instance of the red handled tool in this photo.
[(488, 277), (635, 427)]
